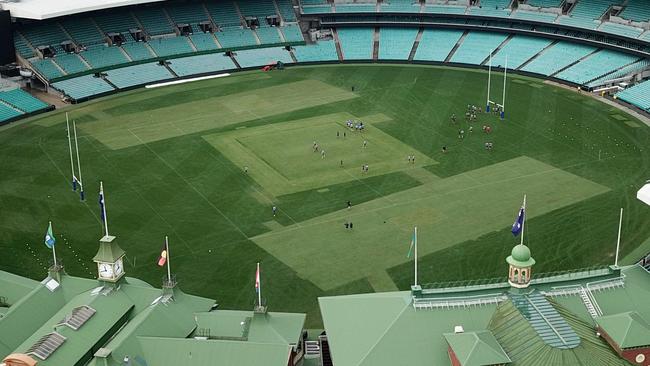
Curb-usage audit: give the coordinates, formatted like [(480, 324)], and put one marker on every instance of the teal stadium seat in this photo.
[(316, 9), (476, 47), (356, 8), (204, 41), (595, 66), (286, 10), (638, 95), (71, 63), (396, 43), (23, 100), (621, 29), (233, 38), (201, 64), (292, 33), (189, 13), (47, 68), (83, 87), (257, 8), (154, 20), (99, 56), (636, 10), (632, 68), (321, 51), (545, 3), (268, 35), (493, 8), (534, 16), (400, 6), (224, 13), (170, 46), (22, 47), (116, 21), (356, 43), (444, 9), (557, 57), (519, 49), (83, 31), (7, 112), (137, 75), (138, 51), (436, 44), (47, 33), (258, 57)]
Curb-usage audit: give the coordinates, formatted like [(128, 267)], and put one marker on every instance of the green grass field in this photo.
[(172, 161)]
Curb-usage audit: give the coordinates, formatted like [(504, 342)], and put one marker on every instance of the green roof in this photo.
[(626, 329), (520, 256), (524, 346), (176, 351), (13, 287), (109, 251), (478, 348)]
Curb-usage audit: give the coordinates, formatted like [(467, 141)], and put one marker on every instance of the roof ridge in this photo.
[(406, 306)]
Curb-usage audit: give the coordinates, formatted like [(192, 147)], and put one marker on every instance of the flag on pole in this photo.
[(408, 255), (49, 237), (163, 256), (519, 222), (257, 279), (101, 201)]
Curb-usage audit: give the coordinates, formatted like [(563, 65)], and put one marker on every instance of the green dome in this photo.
[(520, 253), (520, 257)]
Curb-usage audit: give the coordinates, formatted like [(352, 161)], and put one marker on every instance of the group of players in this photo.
[(471, 115)]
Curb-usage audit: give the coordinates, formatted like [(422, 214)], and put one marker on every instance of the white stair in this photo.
[(312, 348), (592, 306)]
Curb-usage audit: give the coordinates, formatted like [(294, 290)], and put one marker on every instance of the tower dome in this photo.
[(520, 257)]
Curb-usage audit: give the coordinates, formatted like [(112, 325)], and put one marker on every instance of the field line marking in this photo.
[(407, 202), (189, 184), (141, 196)]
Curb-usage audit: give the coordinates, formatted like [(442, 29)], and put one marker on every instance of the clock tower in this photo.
[(110, 260)]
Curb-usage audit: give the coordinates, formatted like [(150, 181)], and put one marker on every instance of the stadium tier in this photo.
[(201, 64), (545, 3), (171, 46), (595, 66), (286, 10), (16, 102), (84, 31), (83, 87), (355, 8), (557, 57), (154, 20), (232, 38), (317, 9), (71, 63), (292, 33), (7, 112), (401, 6), (396, 43), (321, 51), (622, 72), (268, 35), (518, 50), (138, 51), (224, 13), (621, 29), (638, 95), (257, 8), (119, 21), (204, 41), (262, 56), (100, 56), (636, 10), (436, 44), (356, 43), (476, 47), (137, 75)]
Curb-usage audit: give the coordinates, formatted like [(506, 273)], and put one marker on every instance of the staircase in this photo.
[(496, 50), (312, 349), (375, 44), (416, 44), (453, 50), (325, 357), (537, 55), (574, 63), (592, 306), (337, 42)]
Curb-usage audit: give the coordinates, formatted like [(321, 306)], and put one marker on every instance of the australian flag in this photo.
[(519, 222)]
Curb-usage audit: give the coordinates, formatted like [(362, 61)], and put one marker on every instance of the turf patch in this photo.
[(447, 212), (173, 121), (282, 160)]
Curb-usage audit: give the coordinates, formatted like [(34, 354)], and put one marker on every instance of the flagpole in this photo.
[(259, 289), (74, 179), (169, 272), (505, 76), (618, 241), (101, 192), (76, 145), (53, 249), (487, 107), (523, 221), (415, 236)]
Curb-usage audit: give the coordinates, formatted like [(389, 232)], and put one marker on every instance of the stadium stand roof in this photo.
[(396, 328), (644, 194), (46, 9)]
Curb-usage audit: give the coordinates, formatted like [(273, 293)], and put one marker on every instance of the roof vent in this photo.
[(459, 329), (78, 317), (45, 346)]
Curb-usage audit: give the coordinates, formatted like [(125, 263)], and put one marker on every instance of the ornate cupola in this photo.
[(521, 264), (109, 259)]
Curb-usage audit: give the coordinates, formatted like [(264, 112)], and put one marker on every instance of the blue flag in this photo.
[(101, 201), (413, 239), (519, 223), (49, 237)]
